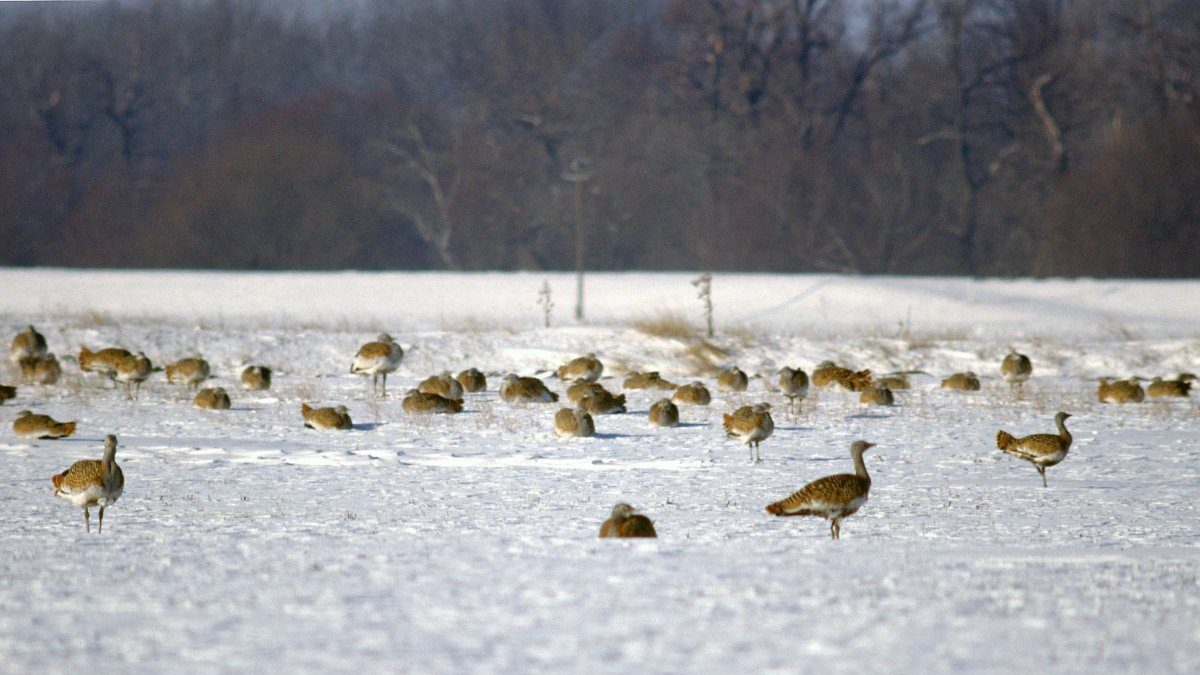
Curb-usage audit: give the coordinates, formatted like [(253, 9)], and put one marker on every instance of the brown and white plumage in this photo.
[(570, 422), (692, 394), (1180, 387), (189, 372), (603, 402), (256, 378), (133, 370), (961, 382), (793, 383), (40, 369), (829, 374), (832, 497), (92, 482), (732, 379), (751, 425), (7, 392), (377, 359), (664, 413), (425, 403), (582, 388), (877, 395), (1041, 450), (1120, 391), (1016, 368), (443, 385), (103, 362), (647, 380), (27, 344), (472, 380), (586, 367), (528, 389), (213, 398), (31, 425), (626, 522), (326, 418)]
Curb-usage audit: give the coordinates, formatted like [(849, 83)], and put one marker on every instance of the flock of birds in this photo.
[(99, 483)]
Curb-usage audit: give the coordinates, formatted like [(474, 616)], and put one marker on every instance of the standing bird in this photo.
[(27, 344), (664, 413), (40, 369), (732, 379), (577, 422), (377, 358), (92, 482), (1041, 450), (133, 370), (29, 425), (627, 522), (832, 497), (189, 372), (793, 382), (1016, 368), (582, 368), (103, 362), (751, 425), (256, 378)]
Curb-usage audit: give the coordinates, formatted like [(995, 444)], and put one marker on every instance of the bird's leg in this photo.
[(837, 528), (833, 529), (100, 526), (1042, 470), (87, 519), (383, 390)]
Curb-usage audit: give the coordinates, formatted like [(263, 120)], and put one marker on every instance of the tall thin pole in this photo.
[(579, 250)]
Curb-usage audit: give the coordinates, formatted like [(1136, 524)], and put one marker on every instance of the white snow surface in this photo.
[(245, 542)]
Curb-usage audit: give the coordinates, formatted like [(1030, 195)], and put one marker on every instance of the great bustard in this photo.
[(326, 418), (40, 369), (27, 344), (732, 379), (570, 422), (190, 372), (647, 380), (212, 398), (1179, 387), (1040, 450), (751, 425), (692, 394), (586, 367), (30, 425), (793, 382), (1121, 391), (132, 371), (256, 378), (829, 374), (423, 403), (877, 395), (472, 380), (832, 497), (581, 388), (961, 382), (529, 389), (603, 402), (103, 362), (92, 482), (378, 358), (625, 521), (664, 413), (443, 385), (1015, 368)]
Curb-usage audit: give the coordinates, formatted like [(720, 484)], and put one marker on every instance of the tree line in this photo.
[(982, 137)]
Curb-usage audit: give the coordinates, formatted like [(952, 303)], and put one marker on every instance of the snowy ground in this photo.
[(468, 542)]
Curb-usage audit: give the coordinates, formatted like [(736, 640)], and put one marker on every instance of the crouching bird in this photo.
[(627, 522)]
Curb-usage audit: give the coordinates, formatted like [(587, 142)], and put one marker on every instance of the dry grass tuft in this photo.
[(705, 358), (666, 324)]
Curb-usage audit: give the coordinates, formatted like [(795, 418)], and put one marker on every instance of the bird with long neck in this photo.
[(1040, 450), (832, 497), (91, 482)]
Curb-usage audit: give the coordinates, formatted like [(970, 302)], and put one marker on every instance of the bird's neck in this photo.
[(108, 464), (860, 467), (1062, 431)]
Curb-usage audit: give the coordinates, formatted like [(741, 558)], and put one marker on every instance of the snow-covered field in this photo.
[(244, 542)]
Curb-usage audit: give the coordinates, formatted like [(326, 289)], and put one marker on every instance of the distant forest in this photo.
[(980, 137)]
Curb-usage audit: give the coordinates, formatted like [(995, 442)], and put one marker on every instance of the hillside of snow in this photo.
[(244, 541)]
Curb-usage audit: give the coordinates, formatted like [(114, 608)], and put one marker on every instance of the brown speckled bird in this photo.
[(832, 497), (582, 368), (828, 374), (1177, 388), (692, 394), (1015, 368), (893, 382), (380, 357), (664, 413), (603, 402), (40, 369), (793, 383), (443, 385), (27, 344), (961, 382), (529, 389), (131, 372), (1121, 391), (7, 392), (732, 379), (582, 388), (326, 418), (576, 422), (103, 362), (751, 425), (189, 372), (877, 395), (92, 482), (256, 378), (627, 522), (472, 380), (423, 403), (29, 425), (213, 398), (1041, 450), (647, 380)]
